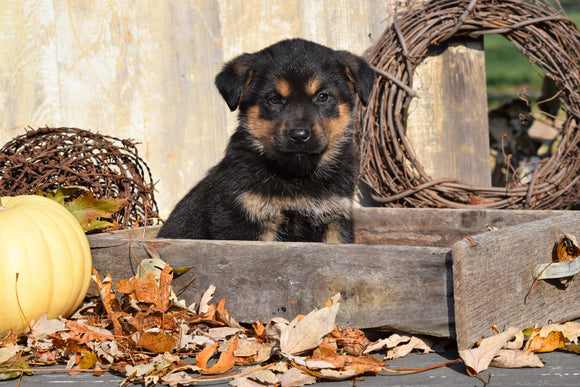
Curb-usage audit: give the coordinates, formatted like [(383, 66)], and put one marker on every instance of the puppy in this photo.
[(290, 167)]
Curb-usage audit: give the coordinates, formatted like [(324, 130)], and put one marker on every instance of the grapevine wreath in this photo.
[(48, 158), (389, 168)]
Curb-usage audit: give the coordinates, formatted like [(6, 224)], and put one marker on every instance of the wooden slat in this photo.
[(399, 287), (434, 227), (447, 124), (393, 286), (492, 278), (406, 287)]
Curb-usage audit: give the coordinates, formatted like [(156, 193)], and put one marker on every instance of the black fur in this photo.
[(289, 169)]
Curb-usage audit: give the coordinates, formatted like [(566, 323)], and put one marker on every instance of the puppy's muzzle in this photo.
[(299, 136)]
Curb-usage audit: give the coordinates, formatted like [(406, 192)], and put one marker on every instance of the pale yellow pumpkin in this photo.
[(42, 242)]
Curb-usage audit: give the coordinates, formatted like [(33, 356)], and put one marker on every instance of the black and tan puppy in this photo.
[(289, 170)]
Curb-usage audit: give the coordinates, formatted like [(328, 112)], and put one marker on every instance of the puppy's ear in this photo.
[(234, 79), (360, 74)]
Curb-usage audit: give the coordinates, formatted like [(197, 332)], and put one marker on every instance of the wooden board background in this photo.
[(144, 69), (492, 278)]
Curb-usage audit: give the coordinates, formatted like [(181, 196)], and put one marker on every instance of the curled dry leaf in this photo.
[(478, 359), (307, 333), (205, 299), (225, 362), (512, 358), (553, 336), (415, 343), (554, 340)]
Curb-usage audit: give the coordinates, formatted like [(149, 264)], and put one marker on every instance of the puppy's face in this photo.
[(296, 97)]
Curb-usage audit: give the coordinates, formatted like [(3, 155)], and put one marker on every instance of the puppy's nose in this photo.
[(299, 136)]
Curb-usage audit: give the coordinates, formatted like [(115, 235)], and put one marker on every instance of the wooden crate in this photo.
[(401, 274)]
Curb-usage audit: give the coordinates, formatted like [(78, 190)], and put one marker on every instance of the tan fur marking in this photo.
[(332, 234), (262, 130), (335, 128), (247, 84), (270, 230), (270, 208), (260, 212), (283, 88), (313, 86), (352, 81)]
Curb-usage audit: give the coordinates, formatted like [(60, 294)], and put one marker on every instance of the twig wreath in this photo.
[(48, 158), (389, 167)]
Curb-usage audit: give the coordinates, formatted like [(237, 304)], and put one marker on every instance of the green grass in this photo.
[(508, 70)]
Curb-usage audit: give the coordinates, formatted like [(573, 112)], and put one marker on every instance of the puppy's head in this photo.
[(296, 97)]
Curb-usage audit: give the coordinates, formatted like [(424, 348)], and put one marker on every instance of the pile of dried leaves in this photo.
[(139, 328)]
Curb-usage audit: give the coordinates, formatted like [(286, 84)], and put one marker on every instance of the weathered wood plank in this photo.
[(492, 278), (447, 124), (399, 287), (434, 227)]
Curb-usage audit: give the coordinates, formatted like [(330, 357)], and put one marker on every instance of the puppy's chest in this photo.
[(280, 209)]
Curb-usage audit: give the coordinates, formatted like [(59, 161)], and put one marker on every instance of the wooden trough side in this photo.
[(397, 276), (402, 287), (493, 276)]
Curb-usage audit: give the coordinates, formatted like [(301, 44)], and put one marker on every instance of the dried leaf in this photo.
[(478, 359), (152, 368), (110, 302), (151, 265), (554, 340), (204, 303), (295, 378), (251, 351), (511, 358), (566, 249), (306, 334), (202, 358), (88, 361), (88, 211), (346, 365), (516, 343), (82, 333), (225, 362), (44, 327), (570, 330), (9, 351), (225, 317), (157, 342), (390, 342), (414, 343), (17, 364), (222, 332)]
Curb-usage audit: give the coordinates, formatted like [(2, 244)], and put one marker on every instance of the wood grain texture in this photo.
[(492, 278), (434, 227), (447, 124), (383, 284), (145, 70), (133, 70), (399, 287)]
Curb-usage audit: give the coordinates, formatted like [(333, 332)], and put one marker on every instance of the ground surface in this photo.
[(561, 369)]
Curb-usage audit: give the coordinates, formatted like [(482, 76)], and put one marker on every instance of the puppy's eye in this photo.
[(322, 97), (275, 100)]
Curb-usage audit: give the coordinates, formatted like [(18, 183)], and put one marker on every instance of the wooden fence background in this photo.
[(145, 69)]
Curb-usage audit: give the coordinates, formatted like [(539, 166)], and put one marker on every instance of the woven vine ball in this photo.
[(48, 158), (545, 35)]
